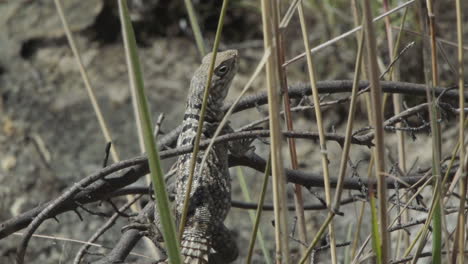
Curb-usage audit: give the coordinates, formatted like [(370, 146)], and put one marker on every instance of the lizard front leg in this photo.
[(238, 147)]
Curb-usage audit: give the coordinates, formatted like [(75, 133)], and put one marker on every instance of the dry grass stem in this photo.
[(270, 20)]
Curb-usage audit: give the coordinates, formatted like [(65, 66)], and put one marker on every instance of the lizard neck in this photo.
[(213, 111), (192, 119)]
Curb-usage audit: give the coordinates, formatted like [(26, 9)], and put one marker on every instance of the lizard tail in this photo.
[(195, 250)]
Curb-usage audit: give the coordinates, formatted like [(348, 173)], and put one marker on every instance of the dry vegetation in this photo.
[(367, 131)]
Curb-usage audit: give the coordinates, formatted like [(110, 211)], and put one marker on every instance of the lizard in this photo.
[(205, 238), (210, 197)]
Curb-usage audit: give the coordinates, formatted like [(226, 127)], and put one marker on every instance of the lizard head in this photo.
[(225, 69)]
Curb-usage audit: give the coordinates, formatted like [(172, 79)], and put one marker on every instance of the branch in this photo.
[(50, 209), (324, 87), (238, 204), (97, 191), (343, 86), (309, 180), (104, 188)]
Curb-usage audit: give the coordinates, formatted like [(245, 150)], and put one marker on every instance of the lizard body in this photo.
[(205, 239), (210, 197)]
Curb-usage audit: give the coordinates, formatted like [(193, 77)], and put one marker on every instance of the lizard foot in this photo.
[(145, 228)]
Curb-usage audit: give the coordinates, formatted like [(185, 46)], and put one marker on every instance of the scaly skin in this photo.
[(210, 197)]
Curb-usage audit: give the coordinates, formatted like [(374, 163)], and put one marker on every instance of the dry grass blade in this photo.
[(433, 81), (403, 237), (461, 225), (92, 97), (270, 23), (289, 13), (321, 129), (317, 237), (84, 75), (349, 127), (66, 239), (346, 34), (298, 196), (377, 121)]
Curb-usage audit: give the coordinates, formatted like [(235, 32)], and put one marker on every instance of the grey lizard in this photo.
[(205, 239), (210, 197)]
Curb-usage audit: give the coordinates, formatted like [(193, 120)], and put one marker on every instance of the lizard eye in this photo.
[(222, 70)]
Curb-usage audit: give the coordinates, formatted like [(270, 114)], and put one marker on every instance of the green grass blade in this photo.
[(157, 176), (195, 27), (436, 134), (437, 233), (376, 240), (258, 213)]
